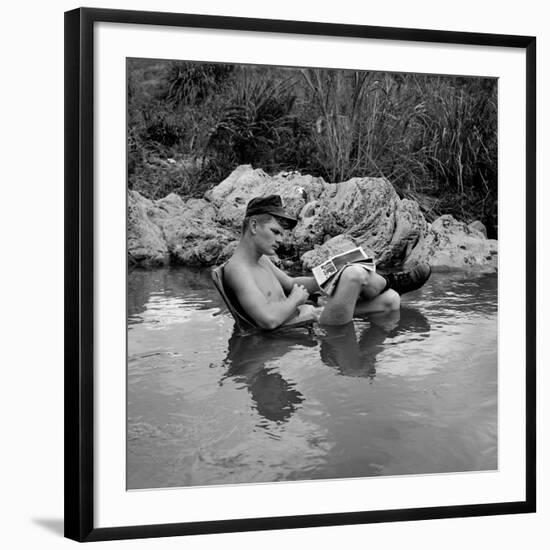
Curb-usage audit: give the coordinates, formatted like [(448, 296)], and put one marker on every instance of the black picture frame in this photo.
[(79, 269)]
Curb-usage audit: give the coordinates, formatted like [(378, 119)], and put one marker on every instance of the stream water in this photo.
[(413, 392)]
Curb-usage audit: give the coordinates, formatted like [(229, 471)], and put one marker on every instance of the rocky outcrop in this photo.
[(363, 212), (450, 244), (231, 196), (362, 208), (187, 230), (478, 226), (190, 229), (146, 243)]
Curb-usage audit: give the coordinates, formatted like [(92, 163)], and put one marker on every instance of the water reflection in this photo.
[(353, 348), (168, 285), (414, 392), (253, 360)]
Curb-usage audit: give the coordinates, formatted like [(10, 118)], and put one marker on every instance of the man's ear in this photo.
[(253, 225)]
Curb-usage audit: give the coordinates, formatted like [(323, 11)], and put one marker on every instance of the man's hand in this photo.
[(299, 293)]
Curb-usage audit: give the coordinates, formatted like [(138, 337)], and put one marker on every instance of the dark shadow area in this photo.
[(355, 354), (275, 398), (251, 359), (54, 525)]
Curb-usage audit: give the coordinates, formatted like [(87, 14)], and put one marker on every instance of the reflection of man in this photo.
[(253, 359), (356, 355), (272, 298), (275, 398)]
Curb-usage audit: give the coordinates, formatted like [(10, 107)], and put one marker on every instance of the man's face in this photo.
[(269, 236)]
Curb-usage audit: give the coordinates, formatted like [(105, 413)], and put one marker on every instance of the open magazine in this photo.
[(328, 273)]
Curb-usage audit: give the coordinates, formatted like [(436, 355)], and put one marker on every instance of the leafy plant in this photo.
[(433, 137), (191, 83), (255, 122)]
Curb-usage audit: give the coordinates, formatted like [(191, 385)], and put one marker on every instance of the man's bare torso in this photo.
[(264, 277)]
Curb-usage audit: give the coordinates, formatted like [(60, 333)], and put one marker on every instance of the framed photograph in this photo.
[(211, 163)]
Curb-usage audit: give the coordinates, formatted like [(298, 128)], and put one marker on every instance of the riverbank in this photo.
[(332, 217)]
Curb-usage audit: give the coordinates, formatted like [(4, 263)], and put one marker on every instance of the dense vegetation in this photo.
[(433, 137)]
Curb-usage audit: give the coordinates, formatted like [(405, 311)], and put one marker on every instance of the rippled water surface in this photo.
[(407, 393)]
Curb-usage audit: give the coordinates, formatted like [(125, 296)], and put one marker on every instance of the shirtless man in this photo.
[(273, 298)]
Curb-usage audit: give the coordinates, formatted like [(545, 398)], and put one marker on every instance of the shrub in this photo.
[(433, 137), (254, 125)]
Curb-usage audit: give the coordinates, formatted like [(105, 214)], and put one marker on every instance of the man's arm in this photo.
[(268, 315), (309, 283), (287, 282)]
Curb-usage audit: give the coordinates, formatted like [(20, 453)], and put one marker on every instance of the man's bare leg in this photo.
[(383, 303), (356, 282), (374, 285)]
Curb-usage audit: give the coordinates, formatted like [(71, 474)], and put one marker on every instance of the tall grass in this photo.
[(426, 134), (433, 137), (255, 123)]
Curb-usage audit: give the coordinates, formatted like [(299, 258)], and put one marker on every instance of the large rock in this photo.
[(450, 244), (478, 226), (368, 211), (192, 235), (363, 208), (187, 229), (146, 243), (231, 196), (363, 212), (410, 228)]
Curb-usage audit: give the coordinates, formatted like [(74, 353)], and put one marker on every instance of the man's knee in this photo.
[(354, 274), (392, 300)]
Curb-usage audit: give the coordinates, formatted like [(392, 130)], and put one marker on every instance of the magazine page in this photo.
[(330, 269), (330, 285)]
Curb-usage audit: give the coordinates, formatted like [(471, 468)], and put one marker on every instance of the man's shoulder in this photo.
[(235, 264), (236, 269)]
